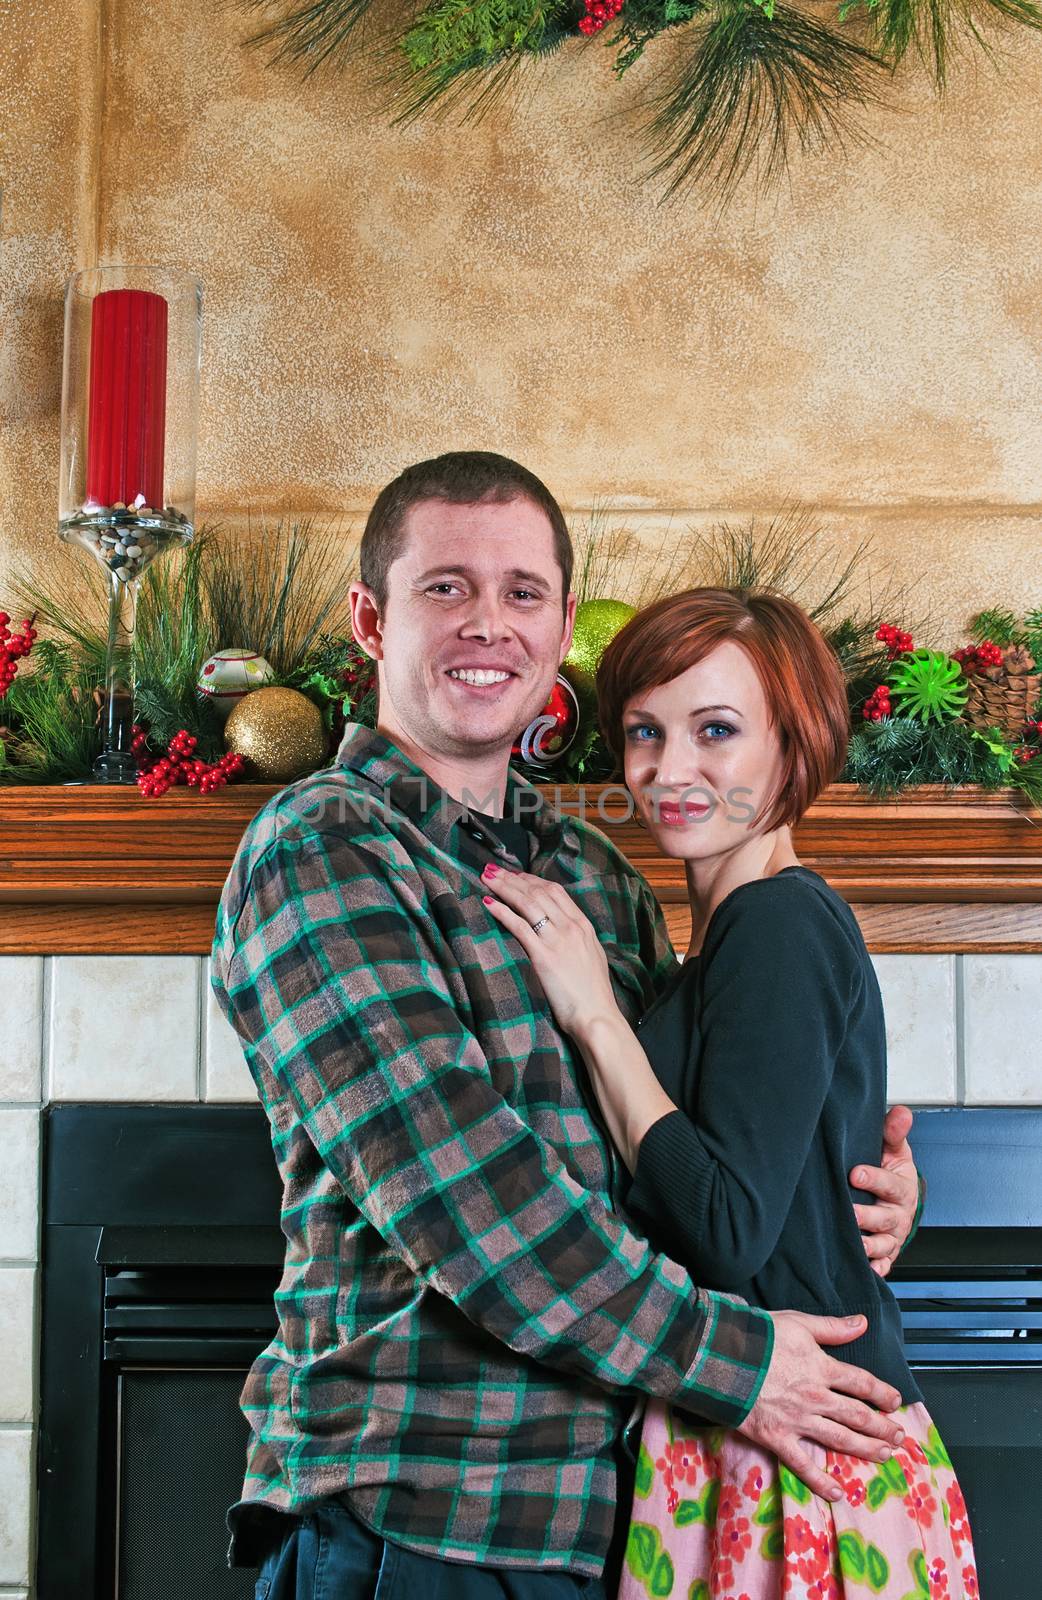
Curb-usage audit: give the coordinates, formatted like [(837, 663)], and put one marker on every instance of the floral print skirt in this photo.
[(714, 1517)]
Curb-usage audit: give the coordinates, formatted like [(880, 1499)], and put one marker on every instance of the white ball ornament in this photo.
[(228, 675)]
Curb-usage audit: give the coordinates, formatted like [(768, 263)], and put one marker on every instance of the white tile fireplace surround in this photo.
[(962, 1030)]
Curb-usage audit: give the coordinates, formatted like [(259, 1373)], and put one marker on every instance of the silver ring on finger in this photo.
[(537, 927)]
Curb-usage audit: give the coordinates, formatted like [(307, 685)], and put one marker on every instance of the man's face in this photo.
[(474, 628)]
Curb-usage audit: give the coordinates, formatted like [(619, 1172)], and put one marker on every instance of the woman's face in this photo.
[(701, 757)]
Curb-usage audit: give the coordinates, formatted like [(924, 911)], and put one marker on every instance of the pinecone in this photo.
[(1004, 697), (1018, 661)]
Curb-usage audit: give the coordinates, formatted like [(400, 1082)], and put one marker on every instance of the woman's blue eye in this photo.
[(726, 726), (639, 728)]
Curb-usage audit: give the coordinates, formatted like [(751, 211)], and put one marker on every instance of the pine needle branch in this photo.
[(752, 87), (936, 30), (314, 34), (278, 591)]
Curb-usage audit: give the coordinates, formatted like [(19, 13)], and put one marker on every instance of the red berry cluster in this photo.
[(1028, 752), (895, 639), (360, 676), (179, 766), (877, 706), (13, 646), (978, 657), (598, 14)]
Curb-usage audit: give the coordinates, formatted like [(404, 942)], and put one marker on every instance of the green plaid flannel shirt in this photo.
[(466, 1317)]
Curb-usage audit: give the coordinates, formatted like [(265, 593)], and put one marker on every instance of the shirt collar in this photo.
[(382, 765)]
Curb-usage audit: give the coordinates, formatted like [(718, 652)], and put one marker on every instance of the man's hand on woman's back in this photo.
[(895, 1184)]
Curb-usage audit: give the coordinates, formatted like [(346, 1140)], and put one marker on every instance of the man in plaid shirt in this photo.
[(467, 1318)]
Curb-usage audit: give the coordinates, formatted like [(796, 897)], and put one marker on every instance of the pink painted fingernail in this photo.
[(489, 871), (487, 900)]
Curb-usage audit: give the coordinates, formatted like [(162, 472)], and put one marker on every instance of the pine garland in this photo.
[(886, 757), (275, 593), (760, 79), (52, 712), (452, 31), (284, 594)]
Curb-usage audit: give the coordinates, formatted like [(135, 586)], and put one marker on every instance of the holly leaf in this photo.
[(994, 742)]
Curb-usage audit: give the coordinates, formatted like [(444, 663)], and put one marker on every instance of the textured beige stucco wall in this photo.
[(868, 341)]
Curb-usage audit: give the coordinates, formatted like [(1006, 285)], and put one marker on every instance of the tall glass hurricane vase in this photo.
[(130, 423)]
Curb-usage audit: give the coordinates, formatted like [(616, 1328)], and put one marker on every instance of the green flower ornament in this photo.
[(929, 685)]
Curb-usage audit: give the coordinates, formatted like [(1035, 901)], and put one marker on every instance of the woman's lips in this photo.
[(677, 816)]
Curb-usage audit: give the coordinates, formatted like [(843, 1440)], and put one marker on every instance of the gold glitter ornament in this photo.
[(279, 732), (596, 624)]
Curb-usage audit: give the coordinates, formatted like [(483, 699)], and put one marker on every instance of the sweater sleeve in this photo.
[(777, 978)]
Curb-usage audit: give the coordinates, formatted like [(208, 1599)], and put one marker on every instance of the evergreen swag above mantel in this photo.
[(754, 79)]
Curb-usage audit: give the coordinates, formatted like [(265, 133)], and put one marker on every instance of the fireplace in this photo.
[(161, 1255), (162, 1251)]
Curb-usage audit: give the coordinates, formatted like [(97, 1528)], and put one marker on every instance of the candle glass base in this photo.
[(116, 763), (126, 540)]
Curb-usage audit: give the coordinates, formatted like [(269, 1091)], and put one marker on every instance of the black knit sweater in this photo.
[(772, 1044)]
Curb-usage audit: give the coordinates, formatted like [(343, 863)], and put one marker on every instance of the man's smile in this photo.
[(483, 679)]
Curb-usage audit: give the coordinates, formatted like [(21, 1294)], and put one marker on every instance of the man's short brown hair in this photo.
[(464, 478)]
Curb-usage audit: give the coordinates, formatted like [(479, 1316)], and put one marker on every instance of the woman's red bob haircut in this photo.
[(801, 675)]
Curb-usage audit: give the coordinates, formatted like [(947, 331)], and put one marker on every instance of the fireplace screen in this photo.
[(181, 1446), (162, 1252)]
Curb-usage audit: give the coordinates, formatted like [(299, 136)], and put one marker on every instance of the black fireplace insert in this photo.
[(162, 1251)]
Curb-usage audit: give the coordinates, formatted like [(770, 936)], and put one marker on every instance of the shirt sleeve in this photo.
[(918, 1217), (335, 972), (777, 980)]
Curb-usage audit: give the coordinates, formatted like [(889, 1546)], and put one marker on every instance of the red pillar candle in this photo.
[(126, 420)]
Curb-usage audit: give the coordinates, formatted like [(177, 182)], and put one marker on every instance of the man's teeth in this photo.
[(470, 676)]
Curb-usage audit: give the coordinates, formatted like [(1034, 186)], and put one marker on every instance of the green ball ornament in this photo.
[(596, 624), (929, 685)]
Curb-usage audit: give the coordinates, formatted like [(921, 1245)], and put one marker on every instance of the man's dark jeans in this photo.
[(330, 1555)]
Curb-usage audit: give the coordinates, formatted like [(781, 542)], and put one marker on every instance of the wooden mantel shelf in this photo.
[(94, 870)]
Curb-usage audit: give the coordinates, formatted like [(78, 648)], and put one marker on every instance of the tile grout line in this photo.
[(200, 1029), (46, 1066), (960, 1032)]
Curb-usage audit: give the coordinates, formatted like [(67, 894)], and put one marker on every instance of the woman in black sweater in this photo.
[(752, 1087)]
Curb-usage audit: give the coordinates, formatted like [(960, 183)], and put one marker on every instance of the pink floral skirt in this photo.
[(716, 1518)]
